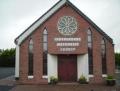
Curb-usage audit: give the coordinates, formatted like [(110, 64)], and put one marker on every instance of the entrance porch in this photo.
[(67, 68)]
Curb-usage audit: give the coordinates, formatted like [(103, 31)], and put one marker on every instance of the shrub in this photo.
[(53, 80), (110, 77), (7, 57), (110, 80), (82, 80)]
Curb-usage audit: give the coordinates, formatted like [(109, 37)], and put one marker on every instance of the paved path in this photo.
[(118, 77), (64, 88), (6, 72), (5, 88), (7, 83)]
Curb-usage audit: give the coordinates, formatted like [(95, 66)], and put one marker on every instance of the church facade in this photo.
[(63, 43)]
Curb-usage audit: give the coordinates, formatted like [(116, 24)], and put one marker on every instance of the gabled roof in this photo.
[(49, 13)]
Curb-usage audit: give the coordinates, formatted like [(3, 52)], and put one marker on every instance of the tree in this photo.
[(7, 57), (117, 59)]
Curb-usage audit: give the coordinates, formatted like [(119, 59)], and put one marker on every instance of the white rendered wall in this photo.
[(17, 61), (52, 66), (82, 66)]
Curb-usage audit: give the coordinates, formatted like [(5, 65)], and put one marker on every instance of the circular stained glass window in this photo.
[(67, 25)]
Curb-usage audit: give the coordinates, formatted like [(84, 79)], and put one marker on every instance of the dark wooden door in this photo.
[(67, 68)]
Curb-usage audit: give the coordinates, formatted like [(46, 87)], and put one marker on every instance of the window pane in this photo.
[(44, 63), (45, 31), (30, 62), (31, 42), (90, 56), (103, 52), (45, 55), (103, 42), (90, 45), (104, 68), (45, 46), (103, 57), (89, 39), (90, 60), (31, 48), (45, 38), (103, 47), (89, 32), (90, 69)]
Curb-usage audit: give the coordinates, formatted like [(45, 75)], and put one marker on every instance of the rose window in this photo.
[(67, 25)]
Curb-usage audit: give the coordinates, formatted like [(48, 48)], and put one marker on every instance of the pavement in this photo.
[(118, 77), (5, 88), (7, 81), (65, 88), (6, 72), (9, 84)]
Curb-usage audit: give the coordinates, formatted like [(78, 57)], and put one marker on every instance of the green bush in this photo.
[(117, 59), (7, 57), (110, 80), (110, 77), (82, 80), (53, 80)]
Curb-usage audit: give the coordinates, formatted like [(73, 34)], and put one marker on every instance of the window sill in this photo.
[(30, 77), (45, 76), (104, 75), (91, 75)]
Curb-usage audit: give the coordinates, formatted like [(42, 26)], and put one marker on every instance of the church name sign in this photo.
[(67, 44)]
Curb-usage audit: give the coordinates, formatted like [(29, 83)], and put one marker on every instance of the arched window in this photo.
[(103, 56), (45, 49), (90, 54), (30, 54)]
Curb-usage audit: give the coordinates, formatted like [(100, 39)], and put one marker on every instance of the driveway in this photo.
[(6, 78), (5, 72)]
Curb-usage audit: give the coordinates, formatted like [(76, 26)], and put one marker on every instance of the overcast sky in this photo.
[(17, 15)]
